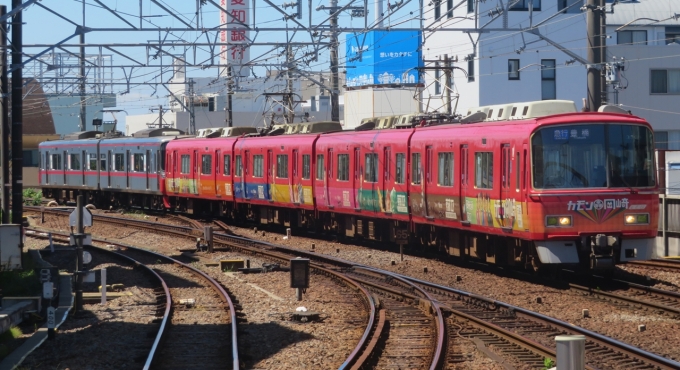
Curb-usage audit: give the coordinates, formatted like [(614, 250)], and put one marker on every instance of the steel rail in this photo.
[(671, 264), (631, 300), (166, 290)]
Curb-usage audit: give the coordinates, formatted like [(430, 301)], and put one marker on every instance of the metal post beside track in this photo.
[(80, 230)]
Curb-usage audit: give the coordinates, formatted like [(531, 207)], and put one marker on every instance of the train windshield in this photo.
[(593, 156)]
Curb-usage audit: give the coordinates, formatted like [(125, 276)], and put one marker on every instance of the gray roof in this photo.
[(628, 10)]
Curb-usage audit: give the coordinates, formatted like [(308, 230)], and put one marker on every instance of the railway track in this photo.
[(639, 296), (186, 341), (510, 330), (667, 264)]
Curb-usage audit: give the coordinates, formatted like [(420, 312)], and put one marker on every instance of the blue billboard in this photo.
[(383, 58)]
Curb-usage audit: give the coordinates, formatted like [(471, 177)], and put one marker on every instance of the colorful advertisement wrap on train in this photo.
[(484, 211), (297, 194), (179, 185), (381, 201)]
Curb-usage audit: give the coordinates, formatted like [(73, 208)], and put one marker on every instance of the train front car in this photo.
[(594, 195)]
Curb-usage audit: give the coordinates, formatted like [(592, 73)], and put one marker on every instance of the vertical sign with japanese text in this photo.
[(234, 36)]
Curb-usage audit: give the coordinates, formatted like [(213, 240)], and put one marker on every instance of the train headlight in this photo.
[(558, 221), (636, 219)]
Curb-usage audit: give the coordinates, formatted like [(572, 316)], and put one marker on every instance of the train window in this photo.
[(282, 166), (74, 162), (371, 167), (506, 168), (319, 167), (227, 165), (239, 166), (119, 162), (445, 175), (400, 166), (484, 170), (138, 162), (306, 166), (186, 164), (206, 164), (416, 169), (93, 162), (343, 167), (258, 165), (56, 161), (102, 162)]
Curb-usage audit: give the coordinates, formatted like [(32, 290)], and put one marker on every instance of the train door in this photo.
[(128, 168), (218, 157), (427, 181), (294, 180), (195, 174), (506, 171), (108, 170), (270, 176), (67, 164), (159, 169), (244, 177), (386, 200), (83, 164), (464, 178), (147, 167), (329, 175), (358, 183), (526, 177), (47, 166)]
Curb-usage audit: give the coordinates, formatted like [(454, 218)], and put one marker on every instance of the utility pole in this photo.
[(82, 74), (192, 116), (160, 116), (4, 125), (230, 117), (80, 230), (447, 88), (335, 84), (290, 114), (594, 56), (17, 116), (603, 48)]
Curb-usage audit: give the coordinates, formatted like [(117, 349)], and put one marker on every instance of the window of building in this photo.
[(343, 167), (138, 162), (445, 166), (665, 81), (239, 166), (573, 6), (306, 166), (672, 35), (119, 162), (320, 170), (513, 69), (227, 165), (437, 9), (74, 161), (211, 104), (416, 169), (93, 162), (449, 8), (484, 170), (661, 140), (470, 6), (371, 167), (471, 70), (400, 166), (258, 165), (548, 79), (631, 37), (437, 74), (206, 164), (282, 166), (524, 5), (56, 161)]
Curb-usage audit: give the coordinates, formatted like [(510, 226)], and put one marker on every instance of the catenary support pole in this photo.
[(335, 83), (594, 56), (17, 117), (603, 51), (83, 114), (5, 124), (80, 230), (447, 88)]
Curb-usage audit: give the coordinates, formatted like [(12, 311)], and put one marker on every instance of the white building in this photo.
[(507, 65)]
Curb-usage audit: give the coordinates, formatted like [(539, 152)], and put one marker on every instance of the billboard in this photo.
[(233, 31), (383, 58)]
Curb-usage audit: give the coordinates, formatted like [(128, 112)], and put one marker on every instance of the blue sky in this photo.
[(43, 27)]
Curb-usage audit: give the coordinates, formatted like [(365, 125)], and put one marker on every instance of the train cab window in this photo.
[(186, 164), (306, 166), (343, 167), (320, 170), (400, 166), (258, 165), (119, 162), (74, 162), (227, 165), (445, 167), (206, 164), (416, 169), (484, 170), (371, 167), (92, 162), (138, 162), (239, 166), (282, 166), (56, 161)]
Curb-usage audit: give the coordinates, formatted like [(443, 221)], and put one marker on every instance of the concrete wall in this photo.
[(66, 111), (374, 102)]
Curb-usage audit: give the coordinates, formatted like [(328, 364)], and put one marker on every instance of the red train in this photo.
[(527, 184)]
